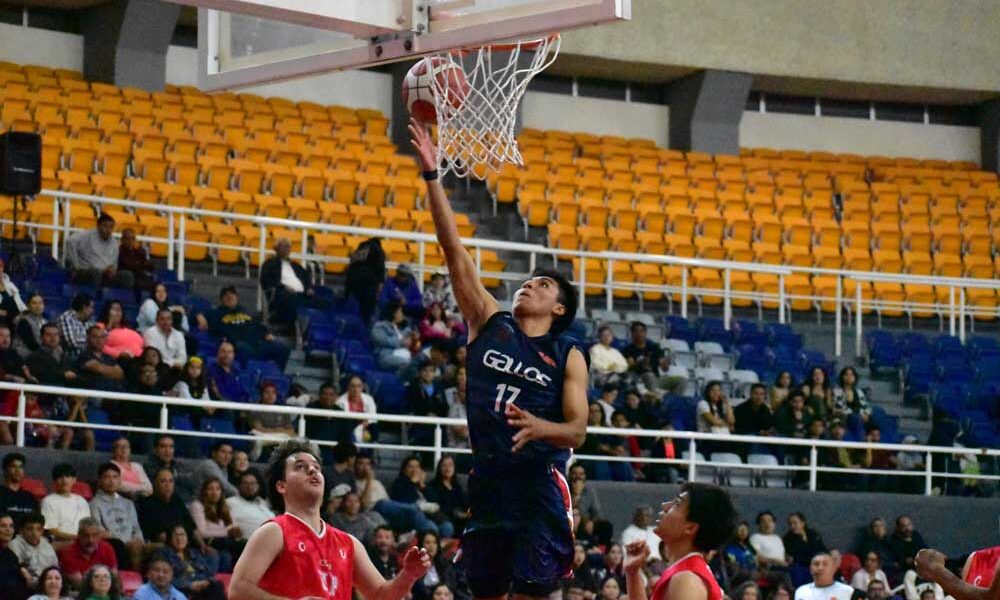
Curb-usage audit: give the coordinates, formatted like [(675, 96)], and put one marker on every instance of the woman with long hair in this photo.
[(100, 583), (51, 585), (778, 393), (850, 402), (192, 384), (748, 590), (802, 543), (447, 491), (441, 570), (135, 482), (28, 326), (435, 325), (194, 571), (122, 339), (215, 524), (715, 415), (612, 565), (159, 299), (819, 396), (409, 488), (609, 589), (739, 556)]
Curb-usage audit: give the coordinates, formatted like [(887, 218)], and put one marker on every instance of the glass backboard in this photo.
[(250, 42)]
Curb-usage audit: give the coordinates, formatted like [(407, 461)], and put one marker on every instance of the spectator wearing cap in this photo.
[(166, 339), (357, 401), (270, 424), (96, 370), (15, 500), (606, 361), (287, 285), (63, 510), (93, 256), (251, 339), (402, 287), (74, 323)]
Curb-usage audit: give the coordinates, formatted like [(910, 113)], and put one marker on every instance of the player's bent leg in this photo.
[(488, 558)]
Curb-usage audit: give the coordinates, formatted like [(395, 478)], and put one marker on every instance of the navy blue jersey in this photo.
[(505, 365)]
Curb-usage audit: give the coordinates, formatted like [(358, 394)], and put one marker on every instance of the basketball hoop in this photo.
[(477, 133)]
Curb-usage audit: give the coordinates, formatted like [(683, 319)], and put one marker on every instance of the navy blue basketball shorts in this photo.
[(520, 535)]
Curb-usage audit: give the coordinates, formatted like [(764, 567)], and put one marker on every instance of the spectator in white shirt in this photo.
[(870, 571), (605, 360), (248, 510), (287, 285), (63, 510), (642, 529), (823, 586), (166, 339), (356, 400), (768, 544), (33, 551)]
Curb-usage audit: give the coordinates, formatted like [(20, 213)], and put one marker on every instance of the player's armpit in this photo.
[(686, 586), (263, 547)]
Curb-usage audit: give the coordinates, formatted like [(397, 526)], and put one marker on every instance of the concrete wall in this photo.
[(909, 42), (836, 134), (600, 117)]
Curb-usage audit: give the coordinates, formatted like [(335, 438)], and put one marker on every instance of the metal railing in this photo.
[(957, 310), (692, 463)]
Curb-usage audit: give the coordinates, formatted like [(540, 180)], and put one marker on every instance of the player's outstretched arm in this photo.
[(476, 304), (930, 565), (572, 431), (263, 547), (370, 583)]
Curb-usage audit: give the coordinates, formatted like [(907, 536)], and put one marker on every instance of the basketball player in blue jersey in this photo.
[(527, 409)]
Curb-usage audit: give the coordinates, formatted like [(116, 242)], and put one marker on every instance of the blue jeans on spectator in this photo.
[(612, 471), (404, 517)]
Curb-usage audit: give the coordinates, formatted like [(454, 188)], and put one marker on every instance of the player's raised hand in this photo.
[(416, 563), (529, 426), (929, 562), (421, 140), (636, 556)]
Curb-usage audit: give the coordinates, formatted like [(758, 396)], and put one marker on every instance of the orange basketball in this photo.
[(419, 89)]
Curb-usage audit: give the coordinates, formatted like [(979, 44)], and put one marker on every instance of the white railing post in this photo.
[(170, 240), (302, 426), (532, 262), (684, 292), (261, 252), (781, 298), (813, 463), (305, 247), (692, 460), (22, 404), (928, 473), (181, 247), (838, 332), (583, 281), (55, 228), (164, 417), (438, 437), (66, 214), (951, 310), (857, 319), (727, 301), (609, 282), (479, 261), (422, 261), (961, 314)]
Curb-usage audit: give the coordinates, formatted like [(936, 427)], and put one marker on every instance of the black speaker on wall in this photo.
[(20, 163)]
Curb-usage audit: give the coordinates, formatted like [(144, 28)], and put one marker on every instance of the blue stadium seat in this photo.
[(319, 338), (388, 391), (104, 438), (222, 428), (123, 296)]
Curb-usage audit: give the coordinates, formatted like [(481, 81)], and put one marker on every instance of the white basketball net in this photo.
[(477, 135)]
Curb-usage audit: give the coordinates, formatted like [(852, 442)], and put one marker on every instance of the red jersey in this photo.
[(982, 567), (311, 564), (695, 563)]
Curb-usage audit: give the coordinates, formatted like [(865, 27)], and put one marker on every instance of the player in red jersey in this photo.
[(694, 523), (978, 581), (298, 556)]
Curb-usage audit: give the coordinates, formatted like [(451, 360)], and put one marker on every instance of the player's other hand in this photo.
[(421, 140), (929, 563), (529, 425), (416, 563), (636, 556)]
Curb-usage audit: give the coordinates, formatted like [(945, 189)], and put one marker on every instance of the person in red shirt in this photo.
[(691, 525), (978, 582), (297, 555), (88, 550)]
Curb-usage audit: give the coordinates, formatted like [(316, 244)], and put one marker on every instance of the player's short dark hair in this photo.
[(63, 470), (568, 297), (276, 468), (108, 466), (11, 458), (219, 444), (32, 518), (712, 509)]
